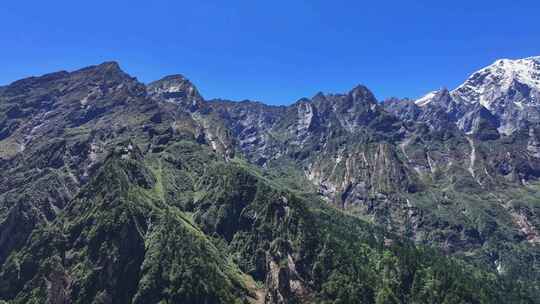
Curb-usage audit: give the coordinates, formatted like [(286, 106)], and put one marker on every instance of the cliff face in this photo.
[(112, 191)]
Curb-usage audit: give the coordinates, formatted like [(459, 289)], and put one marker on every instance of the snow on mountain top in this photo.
[(485, 85), (426, 99), (527, 70)]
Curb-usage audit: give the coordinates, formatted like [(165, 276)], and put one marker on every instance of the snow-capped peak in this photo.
[(441, 95), (509, 89), (426, 99), (489, 84)]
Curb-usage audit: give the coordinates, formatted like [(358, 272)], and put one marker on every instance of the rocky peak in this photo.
[(319, 96), (105, 75), (358, 95), (405, 108), (101, 83), (108, 72), (355, 100), (27, 84), (440, 97), (109, 66), (362, 93), (302, 100), (176, 89)]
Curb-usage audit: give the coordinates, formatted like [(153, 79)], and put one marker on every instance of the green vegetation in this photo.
[(121, 196), (182, 225)]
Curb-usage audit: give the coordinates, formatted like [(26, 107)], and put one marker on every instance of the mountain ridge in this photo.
[(509, 89), (262, 194)]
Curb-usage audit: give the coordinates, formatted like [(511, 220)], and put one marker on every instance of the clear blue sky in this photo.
[(273, 51)]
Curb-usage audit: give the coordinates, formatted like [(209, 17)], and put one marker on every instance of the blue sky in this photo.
[(272, 51)]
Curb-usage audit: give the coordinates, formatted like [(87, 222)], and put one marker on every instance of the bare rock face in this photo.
[(406, 109), (176, 89), (283, 283), (533, 144), (58, 285), (354, 176), (249, 123), (480, 122)]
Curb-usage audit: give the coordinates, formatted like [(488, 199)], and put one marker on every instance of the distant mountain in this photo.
[(493, 84), (115, 191), (508, 89)]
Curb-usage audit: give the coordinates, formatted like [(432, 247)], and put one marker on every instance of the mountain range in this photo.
[(116, 191)]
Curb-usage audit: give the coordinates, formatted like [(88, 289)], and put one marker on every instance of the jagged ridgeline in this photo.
[(112, 191)]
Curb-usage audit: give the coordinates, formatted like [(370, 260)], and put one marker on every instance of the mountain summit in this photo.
[(177, 89), (505, 81), (508, 89)]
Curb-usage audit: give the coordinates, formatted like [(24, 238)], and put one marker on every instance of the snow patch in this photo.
[(424, 101), (473, 159)]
